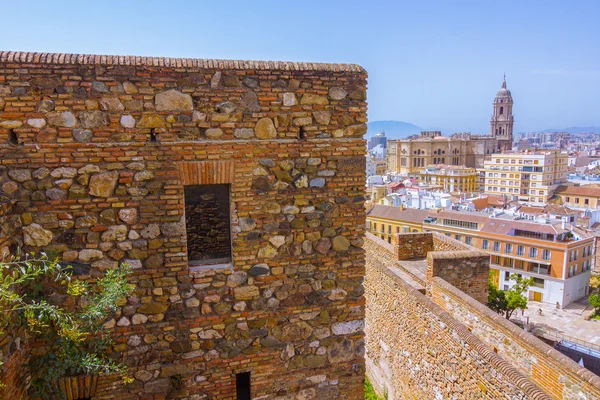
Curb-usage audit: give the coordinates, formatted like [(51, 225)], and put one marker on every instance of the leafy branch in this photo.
[(76, 338)]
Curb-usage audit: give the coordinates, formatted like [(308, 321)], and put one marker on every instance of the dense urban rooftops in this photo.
[(497, 222)]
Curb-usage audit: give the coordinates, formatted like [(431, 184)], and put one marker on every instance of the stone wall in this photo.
[(98, 150), (7, 223), (413, 246), (416, 350), (446, 243), (561, 377), (462, 266)]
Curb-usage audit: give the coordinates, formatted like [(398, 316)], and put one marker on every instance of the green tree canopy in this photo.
[(505, 302)]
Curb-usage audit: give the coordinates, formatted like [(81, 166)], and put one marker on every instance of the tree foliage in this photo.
[(594, 301), (505, 302), (76, 338)]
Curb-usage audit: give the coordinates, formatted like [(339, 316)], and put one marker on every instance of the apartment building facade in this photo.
[(527, 175), (558, 256)]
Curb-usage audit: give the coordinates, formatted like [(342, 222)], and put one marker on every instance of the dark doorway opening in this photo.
[(242, 385)]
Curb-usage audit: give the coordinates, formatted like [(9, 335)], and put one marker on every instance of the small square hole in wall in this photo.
[(13, 138), (302, 133), (208, 224), (153, 138)]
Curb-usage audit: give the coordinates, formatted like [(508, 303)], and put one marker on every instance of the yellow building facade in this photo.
[(527, 175)]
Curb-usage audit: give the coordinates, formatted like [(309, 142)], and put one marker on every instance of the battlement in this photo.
[(71, 98), (422, 314)]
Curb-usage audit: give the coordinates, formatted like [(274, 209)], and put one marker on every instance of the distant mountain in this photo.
[(577, 129), (392, 129)]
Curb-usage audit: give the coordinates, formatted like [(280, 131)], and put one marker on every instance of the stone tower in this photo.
[(502, 119)]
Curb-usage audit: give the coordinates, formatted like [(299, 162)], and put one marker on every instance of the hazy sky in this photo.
[(437, 64)]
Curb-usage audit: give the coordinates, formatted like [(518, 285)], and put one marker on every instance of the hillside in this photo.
[(392, 129)]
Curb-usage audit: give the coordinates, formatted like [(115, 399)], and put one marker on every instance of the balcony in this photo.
[(539, 269)]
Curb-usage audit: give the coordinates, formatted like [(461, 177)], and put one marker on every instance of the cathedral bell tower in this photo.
[(502, 119)]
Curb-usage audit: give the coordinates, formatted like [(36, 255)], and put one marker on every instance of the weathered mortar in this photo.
[(105, 147)]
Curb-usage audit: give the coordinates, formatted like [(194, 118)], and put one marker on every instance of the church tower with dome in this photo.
[(411, 155), (502, 119)]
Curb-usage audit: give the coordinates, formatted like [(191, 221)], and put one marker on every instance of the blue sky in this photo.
[(437, 64)]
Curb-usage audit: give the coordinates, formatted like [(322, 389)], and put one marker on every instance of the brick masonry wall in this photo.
[(557, 374), (446, 243), (97, 150), (413, 246), (417, 350), (462, 266)]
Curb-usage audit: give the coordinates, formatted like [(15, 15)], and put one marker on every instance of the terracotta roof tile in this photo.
[(91, 59), (396, 213), (585, 190)]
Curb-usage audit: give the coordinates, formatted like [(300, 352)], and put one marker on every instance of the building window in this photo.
[(586, 202), (397, 229), (533, 252), (375, 226), (389, 239), (389, 229), (546, 254), (468, 240), (458, 237), (496, 246), (485, 244), (508, 248), (576, 200), (460, 224), (207, 223)]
